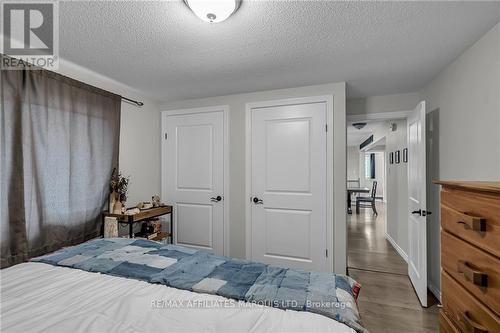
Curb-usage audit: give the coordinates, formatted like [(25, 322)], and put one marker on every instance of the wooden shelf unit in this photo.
[(143, 216)]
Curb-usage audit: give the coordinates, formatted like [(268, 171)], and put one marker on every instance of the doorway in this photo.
[(378, 244), (369, 247), (403, 141)]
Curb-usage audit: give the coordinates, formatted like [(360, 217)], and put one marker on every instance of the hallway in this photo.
[(387, 302)]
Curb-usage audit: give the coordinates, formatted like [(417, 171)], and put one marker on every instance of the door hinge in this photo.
[(326, 127), (326, 253), (166, 136)]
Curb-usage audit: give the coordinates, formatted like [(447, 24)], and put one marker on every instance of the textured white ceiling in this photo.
[(379, 48)]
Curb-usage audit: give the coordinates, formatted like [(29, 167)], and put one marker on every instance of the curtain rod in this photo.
[(131, 101)]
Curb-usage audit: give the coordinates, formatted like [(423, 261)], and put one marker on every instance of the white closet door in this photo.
[(288, 185), (194, 181)]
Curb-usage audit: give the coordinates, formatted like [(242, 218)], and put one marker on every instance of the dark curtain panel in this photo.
[(59, 144), (372, 166)]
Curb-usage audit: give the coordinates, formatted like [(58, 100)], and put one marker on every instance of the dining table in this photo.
[(350, 191)]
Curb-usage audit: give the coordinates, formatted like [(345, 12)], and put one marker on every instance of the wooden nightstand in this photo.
[(143, 216)]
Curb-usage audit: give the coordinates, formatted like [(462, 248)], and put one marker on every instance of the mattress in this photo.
[(37, 297)]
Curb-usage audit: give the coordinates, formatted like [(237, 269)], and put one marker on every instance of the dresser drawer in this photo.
[(472, 216), (476, 270), (465, 311), (445, 324)]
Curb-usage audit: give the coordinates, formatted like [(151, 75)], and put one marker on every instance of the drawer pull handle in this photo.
[(475, 223), (471, 325), (472, 274)]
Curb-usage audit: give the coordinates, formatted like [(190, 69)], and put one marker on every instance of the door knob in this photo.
[(216, 199), (419, 212), (257, 201)]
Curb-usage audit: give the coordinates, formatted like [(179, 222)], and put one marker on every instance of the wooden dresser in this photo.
[(470, 257)]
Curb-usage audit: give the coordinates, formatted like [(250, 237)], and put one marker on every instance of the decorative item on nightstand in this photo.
[(156, 224), (155, 199), (118, 207), (144, 205), (119, 185), (112, 200), (147, 231)]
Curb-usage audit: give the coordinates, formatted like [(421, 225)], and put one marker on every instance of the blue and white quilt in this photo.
[(327, 294)]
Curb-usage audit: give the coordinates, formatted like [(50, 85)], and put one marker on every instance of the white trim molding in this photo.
[(164, 162), (330, 229), (397, 247), (378, 116)]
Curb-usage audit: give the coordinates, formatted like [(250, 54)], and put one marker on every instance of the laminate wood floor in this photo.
[(387, 302)]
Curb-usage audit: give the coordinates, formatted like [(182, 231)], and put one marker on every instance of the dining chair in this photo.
[(367, 202)]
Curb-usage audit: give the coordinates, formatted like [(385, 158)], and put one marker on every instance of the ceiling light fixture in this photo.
[(359, 125), (213, 11)]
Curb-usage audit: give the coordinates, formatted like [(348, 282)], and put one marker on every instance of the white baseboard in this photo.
[(434, 290), (396, 247)]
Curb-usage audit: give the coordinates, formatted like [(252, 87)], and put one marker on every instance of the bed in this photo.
[(43, 297)]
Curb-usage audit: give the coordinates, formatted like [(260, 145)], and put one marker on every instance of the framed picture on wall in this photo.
[(405, 155), (397, 157), (391, 158)]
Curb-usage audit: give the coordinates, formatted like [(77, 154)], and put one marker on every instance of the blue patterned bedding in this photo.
[(327, 294)]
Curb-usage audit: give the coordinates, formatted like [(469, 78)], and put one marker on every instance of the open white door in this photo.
[(417, 226)]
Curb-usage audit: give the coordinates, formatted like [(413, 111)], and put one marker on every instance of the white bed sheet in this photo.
[(37, 297)]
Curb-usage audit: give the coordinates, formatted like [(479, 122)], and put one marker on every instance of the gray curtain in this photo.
[(59, 144)]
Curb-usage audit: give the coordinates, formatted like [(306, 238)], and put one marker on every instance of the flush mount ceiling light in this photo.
[(213, 11), (359, 125)]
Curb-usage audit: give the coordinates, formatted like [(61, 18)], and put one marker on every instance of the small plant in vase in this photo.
[(118, 186)]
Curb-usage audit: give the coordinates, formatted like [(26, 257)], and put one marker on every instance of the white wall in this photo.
[(397, 187), (380, 130), (382, 104), (353, 163), (236, 105), (464, 105), (139, 133), (467, 97), (140, 150)]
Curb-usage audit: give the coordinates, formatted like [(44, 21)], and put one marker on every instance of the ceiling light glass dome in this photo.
[(213, 11)]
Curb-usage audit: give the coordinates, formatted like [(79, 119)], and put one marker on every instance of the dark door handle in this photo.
[(419, 212), (426, 212), (257, 201), (216, 199)]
